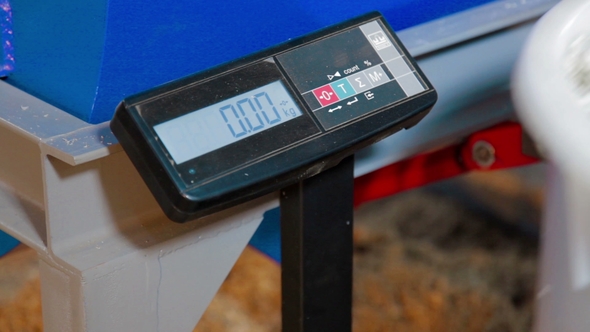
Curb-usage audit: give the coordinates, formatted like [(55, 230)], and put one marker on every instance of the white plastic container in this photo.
[(551, 91)]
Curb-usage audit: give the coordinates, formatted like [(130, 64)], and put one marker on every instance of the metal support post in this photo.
[(316, 231)]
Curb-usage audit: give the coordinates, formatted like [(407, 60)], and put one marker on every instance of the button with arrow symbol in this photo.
[(352, 101), (335, 109)]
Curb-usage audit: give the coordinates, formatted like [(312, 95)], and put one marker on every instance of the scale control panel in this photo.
[(241, 130), (351, 73)]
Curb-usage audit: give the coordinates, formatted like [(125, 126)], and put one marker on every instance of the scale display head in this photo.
[(221, 137)]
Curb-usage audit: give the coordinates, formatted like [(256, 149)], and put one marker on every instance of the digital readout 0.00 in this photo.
[(215, 126)]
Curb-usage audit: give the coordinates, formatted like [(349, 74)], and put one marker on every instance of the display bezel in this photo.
[(308, 156), (197, 96)]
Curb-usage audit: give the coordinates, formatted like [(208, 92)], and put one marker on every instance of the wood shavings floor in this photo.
[(458, 256)]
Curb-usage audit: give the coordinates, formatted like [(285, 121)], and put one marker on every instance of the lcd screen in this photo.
[(215, 126)]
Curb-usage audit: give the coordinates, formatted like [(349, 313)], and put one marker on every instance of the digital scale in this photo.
[(253, 126), (288, 118)]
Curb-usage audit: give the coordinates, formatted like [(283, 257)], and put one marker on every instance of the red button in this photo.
[(326, 95)]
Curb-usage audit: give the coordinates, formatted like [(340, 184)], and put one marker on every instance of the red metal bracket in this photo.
[(497, 147)]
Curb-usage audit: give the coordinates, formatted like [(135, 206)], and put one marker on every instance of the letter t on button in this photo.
[(343, 88)]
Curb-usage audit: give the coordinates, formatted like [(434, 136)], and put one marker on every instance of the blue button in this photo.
[(343, 88)]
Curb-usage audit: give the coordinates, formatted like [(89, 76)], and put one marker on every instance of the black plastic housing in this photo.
[(270, 172)]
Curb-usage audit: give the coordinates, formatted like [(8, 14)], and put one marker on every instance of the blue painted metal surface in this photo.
[(7, 243), (6, 44), (84, 57), (267, 237)]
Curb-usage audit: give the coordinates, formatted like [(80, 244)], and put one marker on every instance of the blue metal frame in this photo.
[(86, 59)]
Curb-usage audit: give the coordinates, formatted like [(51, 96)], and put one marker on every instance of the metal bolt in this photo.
[(484, 154)]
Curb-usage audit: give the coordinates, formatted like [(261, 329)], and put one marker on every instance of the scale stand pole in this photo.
[(316, 237)]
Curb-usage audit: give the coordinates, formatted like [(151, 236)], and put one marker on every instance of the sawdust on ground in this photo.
[(424, 261)]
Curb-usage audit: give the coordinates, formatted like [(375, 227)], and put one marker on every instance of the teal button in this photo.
[(343, 88)]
